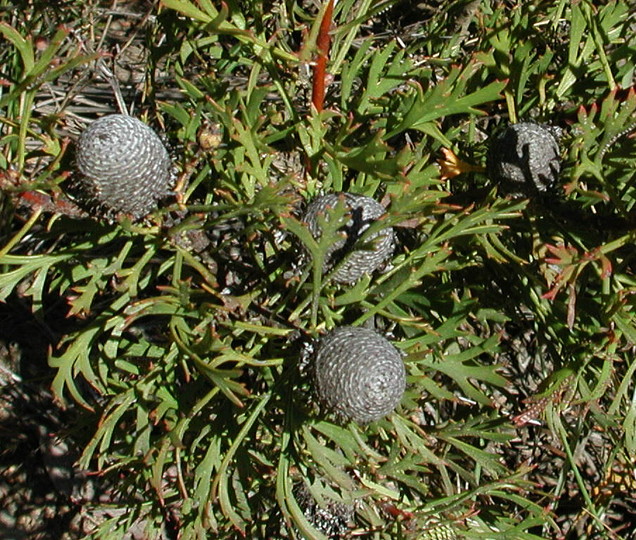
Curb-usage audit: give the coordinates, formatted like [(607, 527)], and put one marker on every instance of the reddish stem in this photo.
[(320, 64), (36, 199)]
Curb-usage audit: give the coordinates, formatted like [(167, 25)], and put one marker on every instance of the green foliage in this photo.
[(184, 333), (30, 70)]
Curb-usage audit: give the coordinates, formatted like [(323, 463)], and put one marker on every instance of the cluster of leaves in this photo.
[(186, 332)]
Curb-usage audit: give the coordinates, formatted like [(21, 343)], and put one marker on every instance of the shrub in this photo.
[(179, 342)]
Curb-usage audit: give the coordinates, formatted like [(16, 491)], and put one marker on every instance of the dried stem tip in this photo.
[(353, 257), (123, 166), (358, 374), (525, 154)]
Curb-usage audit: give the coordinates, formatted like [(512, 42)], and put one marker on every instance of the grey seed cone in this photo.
[(362, 211), (524, 154), (122, 166), (358, 374), (332, 519)]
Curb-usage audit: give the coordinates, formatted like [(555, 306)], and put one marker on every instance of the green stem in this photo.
[(25, 117), (20, 234), (577, 475)]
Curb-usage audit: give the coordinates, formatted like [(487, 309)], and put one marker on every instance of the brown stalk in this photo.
[(320, 64)]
